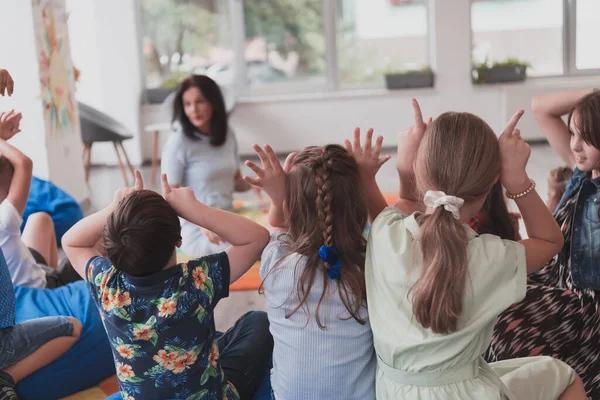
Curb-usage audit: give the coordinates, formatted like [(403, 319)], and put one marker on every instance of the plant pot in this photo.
[(421, 79), (157, 95), (507, 73)]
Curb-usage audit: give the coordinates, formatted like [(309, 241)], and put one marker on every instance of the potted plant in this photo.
[(159, 94), (404, 79), (510, 70)]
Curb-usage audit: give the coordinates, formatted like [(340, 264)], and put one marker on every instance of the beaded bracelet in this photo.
[(530, 189)]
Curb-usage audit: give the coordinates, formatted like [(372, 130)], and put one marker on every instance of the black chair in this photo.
[(97, 126)]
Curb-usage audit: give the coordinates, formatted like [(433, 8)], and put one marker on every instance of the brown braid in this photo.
[(324, 198)]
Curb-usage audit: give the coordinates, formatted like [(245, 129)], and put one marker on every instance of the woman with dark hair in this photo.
[(560, 315), (203, 155)]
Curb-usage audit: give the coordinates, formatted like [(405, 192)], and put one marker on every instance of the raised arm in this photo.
[(545, 237), (247, 238), (408, 145), (81, 242), (369, 162), (548, 110)]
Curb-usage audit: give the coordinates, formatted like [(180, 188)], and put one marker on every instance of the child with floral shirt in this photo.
[(159, 314)]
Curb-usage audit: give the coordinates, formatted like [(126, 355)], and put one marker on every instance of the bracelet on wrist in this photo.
[(514, 196)]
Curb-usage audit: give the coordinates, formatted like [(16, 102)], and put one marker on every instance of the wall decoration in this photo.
[(57, 74)]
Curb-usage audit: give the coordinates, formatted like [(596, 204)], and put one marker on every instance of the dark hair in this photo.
[(326, 206), (140, 235), (211, 92), (588, 121), (6, 176), (497, 220)]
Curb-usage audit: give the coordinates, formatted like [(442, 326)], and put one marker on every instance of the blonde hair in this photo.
[(459, 155)]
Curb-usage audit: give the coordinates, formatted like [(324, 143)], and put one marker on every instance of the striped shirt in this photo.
[(308, 362)]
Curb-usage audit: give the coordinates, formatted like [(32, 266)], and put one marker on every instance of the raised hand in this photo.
[(271, 176), (9, 124), (176, 196), (514, 152), (126, 191), (366, 157), (409, 141), (7, 84)]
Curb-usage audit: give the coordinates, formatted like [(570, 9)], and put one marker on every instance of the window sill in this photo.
[(333, 95)]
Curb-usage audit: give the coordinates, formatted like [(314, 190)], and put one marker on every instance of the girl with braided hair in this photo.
[(434, 287), (313, 275)]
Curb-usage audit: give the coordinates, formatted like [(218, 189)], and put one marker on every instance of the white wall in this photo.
[(19, 57), (105, 48)]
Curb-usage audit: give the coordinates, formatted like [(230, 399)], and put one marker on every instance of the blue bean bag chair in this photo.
[(87, 363), (47, 197)]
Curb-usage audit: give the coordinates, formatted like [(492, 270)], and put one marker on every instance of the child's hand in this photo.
[(6, 83), (409, 141), (366, 158), (124, 192), (271, 177), (9, 124), (177, 197), (515, 154)]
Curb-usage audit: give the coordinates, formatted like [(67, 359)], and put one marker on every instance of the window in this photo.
[(282, 44), (529, 30), (284, 41), (184, 37), (371, 32), (587, 34)]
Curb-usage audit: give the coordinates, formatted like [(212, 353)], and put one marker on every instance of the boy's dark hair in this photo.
[(212, 93), (6, 175), (141, 233)]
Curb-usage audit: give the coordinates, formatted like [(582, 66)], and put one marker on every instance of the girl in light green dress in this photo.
[(434, 287)]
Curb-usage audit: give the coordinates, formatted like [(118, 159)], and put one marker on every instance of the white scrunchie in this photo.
[(435, 199)]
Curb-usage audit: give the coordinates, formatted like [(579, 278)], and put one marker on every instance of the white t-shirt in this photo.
[(24, 271)]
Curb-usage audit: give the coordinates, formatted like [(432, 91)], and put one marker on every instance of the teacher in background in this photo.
[(203, 155)]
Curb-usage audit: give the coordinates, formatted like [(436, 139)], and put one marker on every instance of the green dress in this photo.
[(416, 364)]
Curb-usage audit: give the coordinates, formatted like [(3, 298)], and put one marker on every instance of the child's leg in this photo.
[(39, 234), (245, 351), (574, 392), (40, 341)]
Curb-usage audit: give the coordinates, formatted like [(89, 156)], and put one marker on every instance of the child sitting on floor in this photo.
[(313, 275), (30, 345), (32, 257), (159, 314)]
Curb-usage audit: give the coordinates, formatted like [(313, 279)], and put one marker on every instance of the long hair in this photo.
[(211, 92), (459, 155), (587, 110), (326, 205)]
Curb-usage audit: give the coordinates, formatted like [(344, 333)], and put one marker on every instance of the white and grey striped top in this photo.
[(308, 362)]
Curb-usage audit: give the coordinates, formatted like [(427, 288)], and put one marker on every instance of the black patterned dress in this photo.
[(555, 318)]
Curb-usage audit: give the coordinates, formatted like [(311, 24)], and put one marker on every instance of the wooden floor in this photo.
[(104, 181)]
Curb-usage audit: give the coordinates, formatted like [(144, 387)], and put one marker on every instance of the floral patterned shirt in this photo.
[(162, 330)]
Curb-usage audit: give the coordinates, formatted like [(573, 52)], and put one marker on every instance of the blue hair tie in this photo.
[(330, 255)]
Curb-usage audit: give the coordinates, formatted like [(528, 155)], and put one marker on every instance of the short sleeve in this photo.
[(173, 161), (98, 273), (277, 248), (10, 219), (210, 275), (504, 279)]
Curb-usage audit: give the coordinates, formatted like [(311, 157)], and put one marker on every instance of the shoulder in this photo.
[(278, 247), (496, 251), (389, 218)]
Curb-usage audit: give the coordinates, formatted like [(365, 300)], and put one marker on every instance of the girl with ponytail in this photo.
[(434, 287), (313, 275)]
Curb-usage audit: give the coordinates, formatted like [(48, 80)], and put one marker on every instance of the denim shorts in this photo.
[(20, 340)]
